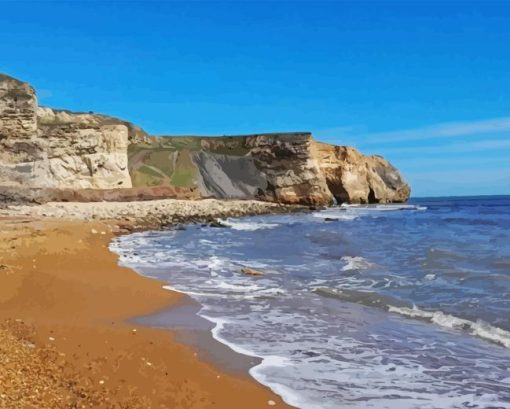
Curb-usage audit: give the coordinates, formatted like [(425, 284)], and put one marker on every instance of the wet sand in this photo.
[(69, 334)]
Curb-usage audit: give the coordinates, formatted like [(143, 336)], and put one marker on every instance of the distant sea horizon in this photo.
[(494, 196)]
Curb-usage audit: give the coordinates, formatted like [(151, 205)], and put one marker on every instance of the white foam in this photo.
[(288, 395), (247, 226), (383, 207), (479, 328), (337, 215), (223, 285), (356, 263)]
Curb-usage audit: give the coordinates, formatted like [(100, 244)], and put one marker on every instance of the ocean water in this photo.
[(394, 306)]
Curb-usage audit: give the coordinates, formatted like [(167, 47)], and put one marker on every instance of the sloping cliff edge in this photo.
[(58, 155)]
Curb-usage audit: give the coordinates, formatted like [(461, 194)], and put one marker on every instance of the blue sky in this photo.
[(427, 85)]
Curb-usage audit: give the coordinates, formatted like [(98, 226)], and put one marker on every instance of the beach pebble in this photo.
[(271, 402), (133, 330), (51, 338), (93, 231), (101, 382)]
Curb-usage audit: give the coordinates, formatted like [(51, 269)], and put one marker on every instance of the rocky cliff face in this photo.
[(354, 178), (61, 155), (41, 147), (273, 167)]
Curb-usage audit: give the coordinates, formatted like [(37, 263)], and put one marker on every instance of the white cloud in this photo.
[(462, 147), (438, 131)]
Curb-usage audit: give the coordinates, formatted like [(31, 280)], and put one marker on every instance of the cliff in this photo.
[(273, 167), (49, 154), (354, 178)]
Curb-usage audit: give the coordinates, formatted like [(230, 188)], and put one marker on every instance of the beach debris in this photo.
[(93, 231), (251, 272), (51, 339), (330, 219), (101, 382), (103, 233), (133, 331), (271, 402), (28, 344)]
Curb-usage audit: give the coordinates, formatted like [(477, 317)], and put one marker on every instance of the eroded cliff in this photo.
[(49, 154), (354, 178)]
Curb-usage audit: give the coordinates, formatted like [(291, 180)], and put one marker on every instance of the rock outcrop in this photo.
[(49, 154), (354, 178)]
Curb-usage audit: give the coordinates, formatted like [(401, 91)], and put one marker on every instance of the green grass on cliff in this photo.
[(167, 165)]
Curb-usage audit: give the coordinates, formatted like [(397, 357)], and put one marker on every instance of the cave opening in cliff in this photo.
[(371, 196), (338, 191)]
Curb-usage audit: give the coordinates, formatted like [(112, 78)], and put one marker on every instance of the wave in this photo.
[(368, 298), (247, 226), (478, 328), (257, 372), (356, 263), (334, 215), (383, 207)]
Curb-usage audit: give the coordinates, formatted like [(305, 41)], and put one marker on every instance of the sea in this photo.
[(376, 306)]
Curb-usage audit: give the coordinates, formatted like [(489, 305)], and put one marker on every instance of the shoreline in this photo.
[(84, 315)]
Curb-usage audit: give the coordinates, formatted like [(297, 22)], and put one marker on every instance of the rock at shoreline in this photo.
[(331, 219), (252, 272), (57, 155), (217, 223)]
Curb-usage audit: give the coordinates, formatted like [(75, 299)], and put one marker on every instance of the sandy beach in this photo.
[(66, 339)]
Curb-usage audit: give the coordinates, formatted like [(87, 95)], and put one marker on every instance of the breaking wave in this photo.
[(247, 226), (356, 263), (478, 328)]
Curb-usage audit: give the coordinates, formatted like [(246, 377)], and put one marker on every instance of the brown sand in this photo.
[(65, 340)]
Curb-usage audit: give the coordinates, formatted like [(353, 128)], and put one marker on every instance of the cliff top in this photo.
[(5, 77), (269, 134)]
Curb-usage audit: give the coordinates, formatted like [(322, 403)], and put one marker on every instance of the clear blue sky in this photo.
[(426, 85)]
